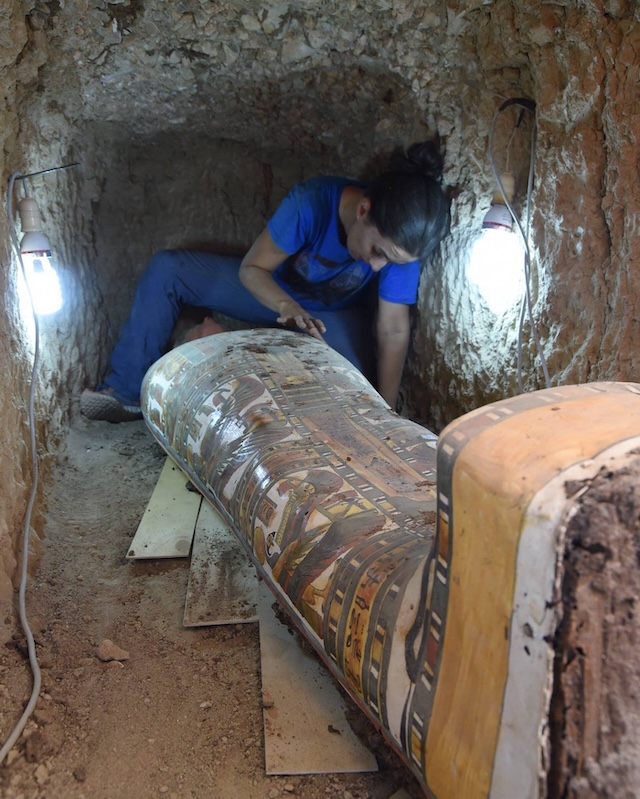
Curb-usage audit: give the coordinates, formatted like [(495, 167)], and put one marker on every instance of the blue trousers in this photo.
[(176, 277)]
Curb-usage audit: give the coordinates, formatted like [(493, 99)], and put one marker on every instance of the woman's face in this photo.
[(366, 243)]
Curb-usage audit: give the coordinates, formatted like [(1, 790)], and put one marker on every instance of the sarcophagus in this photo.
[(435, 606)]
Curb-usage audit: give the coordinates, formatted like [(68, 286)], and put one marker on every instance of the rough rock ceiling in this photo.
[(301, 74)]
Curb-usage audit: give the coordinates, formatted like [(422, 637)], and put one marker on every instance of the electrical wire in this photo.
[(526, 307), (23, 178), (511, 138), (33, 660)]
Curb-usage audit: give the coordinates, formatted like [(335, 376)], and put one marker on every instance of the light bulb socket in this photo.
[(498, 217), (34, 241), (30, 219)]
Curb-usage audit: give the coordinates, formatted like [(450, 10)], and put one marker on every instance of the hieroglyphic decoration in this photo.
[(415, 595), (502, 476), (332, 495)]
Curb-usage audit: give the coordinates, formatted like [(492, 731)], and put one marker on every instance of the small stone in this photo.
[(79, 774), (289, 787), (296, 50), (36, 747), (164, 789), (205, 705), (109, 651), (273, 793), (43, 714), (229, 54), (42, 774), (250, 23)]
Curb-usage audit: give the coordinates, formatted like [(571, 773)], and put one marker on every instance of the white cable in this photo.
[(33, 660), (526, 301)]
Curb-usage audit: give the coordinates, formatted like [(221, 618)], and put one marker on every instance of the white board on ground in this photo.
[(167, 526), (305, 725), (223, 584)]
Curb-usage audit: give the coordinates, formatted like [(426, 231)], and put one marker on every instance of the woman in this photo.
[(313, 267)]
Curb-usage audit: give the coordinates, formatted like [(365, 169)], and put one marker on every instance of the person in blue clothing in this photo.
[(330, 242)]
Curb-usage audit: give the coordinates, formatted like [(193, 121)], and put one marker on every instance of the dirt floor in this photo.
[(181, 717)]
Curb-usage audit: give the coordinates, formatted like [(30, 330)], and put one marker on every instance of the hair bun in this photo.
[(422, 158), (408, 204)]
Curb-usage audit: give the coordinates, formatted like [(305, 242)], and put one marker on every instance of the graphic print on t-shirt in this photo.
[(310, 277)]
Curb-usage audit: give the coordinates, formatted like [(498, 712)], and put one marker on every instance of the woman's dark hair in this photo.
[(408, 204)]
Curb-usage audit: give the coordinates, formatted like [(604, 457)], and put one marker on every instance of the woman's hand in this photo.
[(294, 315), (256, 274)]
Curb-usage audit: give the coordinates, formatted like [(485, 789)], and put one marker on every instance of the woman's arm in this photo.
[(256, 275), (393, 329)]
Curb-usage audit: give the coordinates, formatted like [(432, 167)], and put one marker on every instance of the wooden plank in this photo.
[(305, 727), (167, 526), (223, 584)]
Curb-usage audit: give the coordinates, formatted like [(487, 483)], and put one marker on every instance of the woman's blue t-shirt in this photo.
[(320, 274)]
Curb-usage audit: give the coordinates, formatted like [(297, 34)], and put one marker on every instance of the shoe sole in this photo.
[(103, 408)]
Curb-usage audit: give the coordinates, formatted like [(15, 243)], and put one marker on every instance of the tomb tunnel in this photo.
[(190, 120)]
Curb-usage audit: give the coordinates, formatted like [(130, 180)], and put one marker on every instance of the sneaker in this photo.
[(106, 405)]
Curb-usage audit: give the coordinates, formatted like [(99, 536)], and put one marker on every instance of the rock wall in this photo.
[(15, 347), (190, 120), (578, 61), (152, 197)]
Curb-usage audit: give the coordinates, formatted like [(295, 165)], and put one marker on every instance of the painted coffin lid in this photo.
[(509, 472), (334, 497), (331, 493)]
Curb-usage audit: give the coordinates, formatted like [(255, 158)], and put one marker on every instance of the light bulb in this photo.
[(496, 267), (43, 282), (35, 251)]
